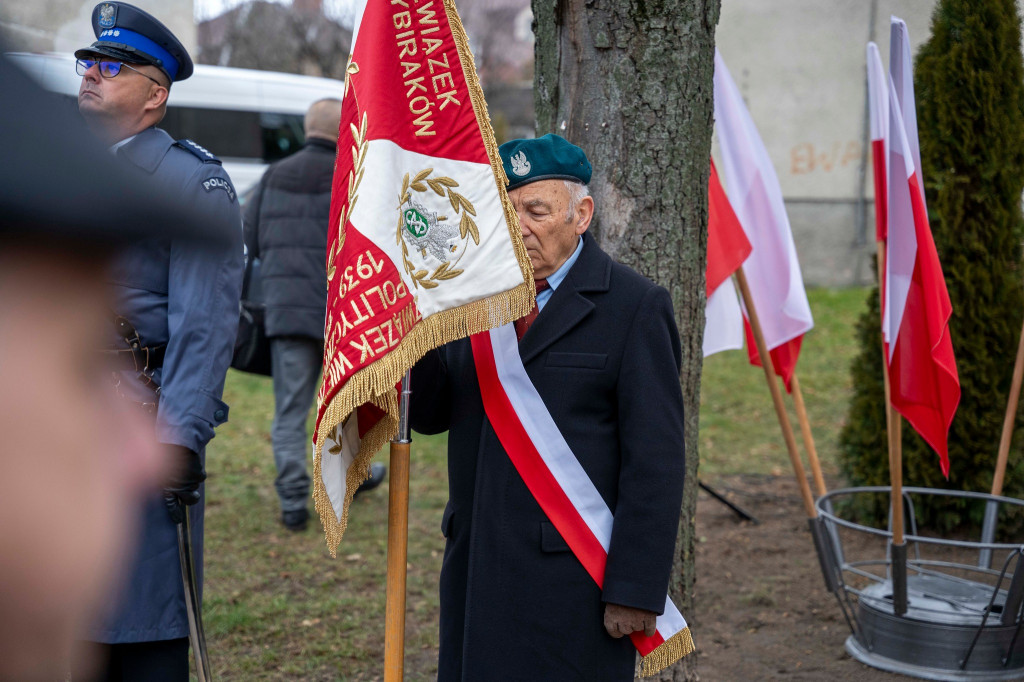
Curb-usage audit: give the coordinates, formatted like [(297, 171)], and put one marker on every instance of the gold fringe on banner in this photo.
[(476, 95), (376, 383), (670, 651)]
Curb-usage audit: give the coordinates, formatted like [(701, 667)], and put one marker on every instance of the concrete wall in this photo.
[(64, 25), (800, 65)]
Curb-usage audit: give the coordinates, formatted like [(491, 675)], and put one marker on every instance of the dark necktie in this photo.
[(523, 323)]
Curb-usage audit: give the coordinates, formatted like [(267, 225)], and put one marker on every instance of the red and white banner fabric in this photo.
[(557, 480), (423, 245), (728, 247), (878, 117), (773, 270), (925, 386)]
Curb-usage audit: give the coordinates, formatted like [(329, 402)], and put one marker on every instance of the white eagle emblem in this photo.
[(107, 16), (520, 166)]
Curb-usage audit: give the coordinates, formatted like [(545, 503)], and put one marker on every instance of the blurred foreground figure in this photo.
[(172, 327), (286, 228), (77, 459)]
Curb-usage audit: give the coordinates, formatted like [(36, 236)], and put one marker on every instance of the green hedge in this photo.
[(970, 99)]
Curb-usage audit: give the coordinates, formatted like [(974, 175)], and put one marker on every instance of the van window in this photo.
[(237, 134)]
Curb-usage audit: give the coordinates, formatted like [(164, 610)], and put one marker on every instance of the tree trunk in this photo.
[(630, 81)]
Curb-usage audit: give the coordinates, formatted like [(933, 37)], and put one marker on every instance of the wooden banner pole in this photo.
[(896, 473), (773, 386), (805, 431), (1010, 418), (398, 546)]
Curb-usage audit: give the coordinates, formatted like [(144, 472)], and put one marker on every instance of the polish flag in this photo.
[(773, 270), (728, 247), (878, 115), (901, 70), (925, 387)]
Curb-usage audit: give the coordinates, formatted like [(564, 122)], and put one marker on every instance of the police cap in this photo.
[(60, 188), (544, 158), (131, 35)]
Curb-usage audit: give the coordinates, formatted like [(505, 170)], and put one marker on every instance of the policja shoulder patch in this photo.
[(219, 183)]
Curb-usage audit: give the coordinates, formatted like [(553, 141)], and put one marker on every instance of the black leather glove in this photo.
[(182, 488)]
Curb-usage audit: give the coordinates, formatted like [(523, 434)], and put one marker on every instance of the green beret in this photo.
[(545, 158)]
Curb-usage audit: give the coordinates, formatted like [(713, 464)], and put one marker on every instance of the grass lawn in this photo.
[(277, 607)]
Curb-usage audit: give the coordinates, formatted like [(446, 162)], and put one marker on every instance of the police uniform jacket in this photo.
[(286, 228), (516, 604), (187, 298)]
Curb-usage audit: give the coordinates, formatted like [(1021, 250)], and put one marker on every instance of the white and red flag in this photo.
[(925, 387), (728, 247), (423, 246), (878, 118), (901, 70), (772, 270)]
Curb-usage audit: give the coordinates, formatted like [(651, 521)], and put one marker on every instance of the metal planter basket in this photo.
[(934, 608)]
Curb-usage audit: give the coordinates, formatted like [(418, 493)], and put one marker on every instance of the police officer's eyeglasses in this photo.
[(109, 69)]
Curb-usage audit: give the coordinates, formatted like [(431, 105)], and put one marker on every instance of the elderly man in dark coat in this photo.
[(604, 355)]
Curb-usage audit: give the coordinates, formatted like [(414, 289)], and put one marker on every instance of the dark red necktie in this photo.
[(523, 323)]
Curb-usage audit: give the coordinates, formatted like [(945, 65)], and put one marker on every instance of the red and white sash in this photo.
[(558, 482)]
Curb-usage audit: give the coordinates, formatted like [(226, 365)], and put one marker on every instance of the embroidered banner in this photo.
[(558, 482), (423, 246)]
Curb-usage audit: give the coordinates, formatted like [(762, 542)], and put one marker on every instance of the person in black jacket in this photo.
[(286, 228)]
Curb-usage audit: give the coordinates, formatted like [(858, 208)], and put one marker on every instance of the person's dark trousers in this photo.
[(163, 661), (295, 365)]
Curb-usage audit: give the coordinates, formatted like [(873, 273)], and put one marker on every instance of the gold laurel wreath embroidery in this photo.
[(442, 186), (355, 176)]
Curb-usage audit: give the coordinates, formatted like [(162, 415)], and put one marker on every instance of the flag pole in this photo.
[(894, 430), (773, 387), (988, 528), (1010, 418), (398, 543), (805, 432), (880, 259)]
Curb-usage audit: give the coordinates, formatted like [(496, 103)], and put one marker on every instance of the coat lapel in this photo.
[(568, 306)]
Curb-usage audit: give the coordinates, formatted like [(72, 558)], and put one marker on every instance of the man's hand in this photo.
[(621, 621), (182, 487)]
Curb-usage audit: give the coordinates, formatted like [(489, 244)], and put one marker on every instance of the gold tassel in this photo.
[(670, 651), (483, 119)]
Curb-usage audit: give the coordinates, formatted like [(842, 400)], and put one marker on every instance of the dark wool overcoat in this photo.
[(516, 604), (286, 223)]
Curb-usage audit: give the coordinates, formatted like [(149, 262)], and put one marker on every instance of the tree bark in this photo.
[(630, 81)]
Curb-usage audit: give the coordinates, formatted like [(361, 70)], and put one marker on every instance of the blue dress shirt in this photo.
[(557, 276)]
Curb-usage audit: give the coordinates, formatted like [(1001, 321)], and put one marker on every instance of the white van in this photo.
[(246, 118)]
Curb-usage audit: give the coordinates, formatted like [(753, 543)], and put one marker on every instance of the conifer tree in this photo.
[(970, 109)]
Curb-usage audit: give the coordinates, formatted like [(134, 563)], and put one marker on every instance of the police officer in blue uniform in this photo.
[(176, 315)]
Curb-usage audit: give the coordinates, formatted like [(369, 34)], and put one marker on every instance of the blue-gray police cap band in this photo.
[(551, 157), (130, 34)]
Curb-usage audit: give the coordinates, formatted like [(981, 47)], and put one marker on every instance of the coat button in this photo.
[(219, 415)]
